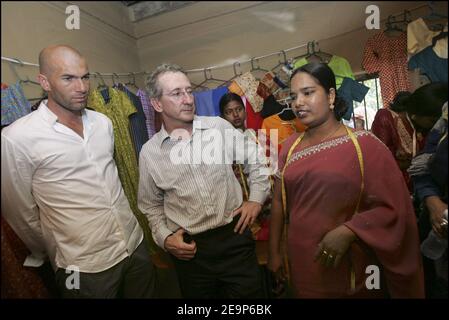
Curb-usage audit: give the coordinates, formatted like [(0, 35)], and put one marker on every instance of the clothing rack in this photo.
[(281, 53)]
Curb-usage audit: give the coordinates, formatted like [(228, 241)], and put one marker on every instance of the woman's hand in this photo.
[(334, 246)]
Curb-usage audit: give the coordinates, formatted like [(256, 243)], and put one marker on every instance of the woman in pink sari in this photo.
[(351, 229)]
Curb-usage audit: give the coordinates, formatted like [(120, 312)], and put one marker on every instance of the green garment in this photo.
[(118, 110), (340, 66)]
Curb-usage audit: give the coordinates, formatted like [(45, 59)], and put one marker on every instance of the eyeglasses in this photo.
[(178, 94)]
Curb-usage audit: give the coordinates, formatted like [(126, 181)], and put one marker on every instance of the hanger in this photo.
[(282, 60), (114, 85), (209, 78), (102, 85), (324, 55), (286, 102), (439, 36), (433, 15), (255, 67), (21, 81), (392, 26), (133, 82)]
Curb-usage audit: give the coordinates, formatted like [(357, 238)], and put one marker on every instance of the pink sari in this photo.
[(323, 183)]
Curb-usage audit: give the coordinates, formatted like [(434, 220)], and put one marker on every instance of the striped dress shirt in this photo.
[(193, 193)]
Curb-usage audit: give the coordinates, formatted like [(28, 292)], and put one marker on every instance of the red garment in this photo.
[(397, 134), (323, 183), (388, 56), (253, 120), (18, 281)]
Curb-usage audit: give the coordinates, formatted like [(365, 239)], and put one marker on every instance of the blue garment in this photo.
[(137, 126), (14, 104), (216, 96), (432, 181), (351, 90), (434, 67), (204, 103)]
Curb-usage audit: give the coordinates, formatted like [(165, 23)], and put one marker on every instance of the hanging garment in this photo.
[(149, 112), (234, 87), (14, 104), (399, 135), (419, 36), (388, 56), (285, 128), (217, 93), (253, 119), (137, 126), (204, 105), (118, 110), (351, 90), (434, 67), (339, 65), (249, 85)]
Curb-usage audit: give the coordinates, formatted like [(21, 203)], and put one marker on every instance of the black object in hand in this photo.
[(187, 237)]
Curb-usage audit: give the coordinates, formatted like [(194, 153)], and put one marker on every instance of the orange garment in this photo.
[(285, 128), (235, 88)]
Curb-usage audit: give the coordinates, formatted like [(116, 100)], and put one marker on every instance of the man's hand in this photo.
[(436, 208), (176, 246), (249, 212), (334, 245)]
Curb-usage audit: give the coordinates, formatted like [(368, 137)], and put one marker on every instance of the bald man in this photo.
[(61, 192)]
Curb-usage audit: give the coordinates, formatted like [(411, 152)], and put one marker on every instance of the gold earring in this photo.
[(331, 106)]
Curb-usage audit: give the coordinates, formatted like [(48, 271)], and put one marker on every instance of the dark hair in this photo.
[(399, 101), (428, 100), (326, 78), (228, 97)]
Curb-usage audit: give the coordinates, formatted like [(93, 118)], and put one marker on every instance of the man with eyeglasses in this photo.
[(195, 208)]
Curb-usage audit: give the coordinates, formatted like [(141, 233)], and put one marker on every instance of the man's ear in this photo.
[(44, 82), (156, 104)]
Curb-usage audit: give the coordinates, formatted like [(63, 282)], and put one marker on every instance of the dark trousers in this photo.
[(133, 277), (225, 266)]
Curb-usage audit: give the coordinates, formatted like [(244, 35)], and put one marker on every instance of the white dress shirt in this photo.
[(197, 195), (61, 193)]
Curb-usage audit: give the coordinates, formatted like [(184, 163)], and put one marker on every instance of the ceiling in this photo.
[(139, 10)]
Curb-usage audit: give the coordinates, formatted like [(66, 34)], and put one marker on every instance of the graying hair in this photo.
[(152, 85)]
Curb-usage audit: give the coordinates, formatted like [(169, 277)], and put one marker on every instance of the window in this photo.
[(366, 110)]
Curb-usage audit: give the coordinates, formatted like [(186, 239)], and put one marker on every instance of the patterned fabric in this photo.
[(14, 104), (397, 134), (148, 111), (118, 110), (234, 87), (249, 85), (388, 56)]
